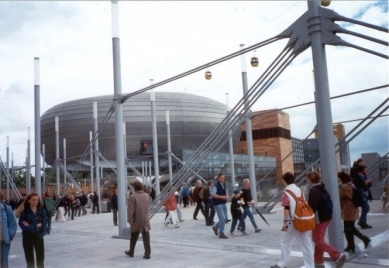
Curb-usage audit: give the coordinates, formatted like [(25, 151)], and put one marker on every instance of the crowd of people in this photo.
[(35, 214)]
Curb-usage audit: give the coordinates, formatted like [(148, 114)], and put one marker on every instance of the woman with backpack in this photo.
[(320, 202), (289, 232), (349, 212)]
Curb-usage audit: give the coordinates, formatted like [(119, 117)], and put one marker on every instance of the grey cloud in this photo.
[(14, 14)]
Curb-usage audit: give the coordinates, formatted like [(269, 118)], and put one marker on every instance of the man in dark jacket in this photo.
[(114, 207), (209, 208), (84, 202), (95, 201), (219, 198)]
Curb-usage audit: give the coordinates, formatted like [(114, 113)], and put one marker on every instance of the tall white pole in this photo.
[(1, 176), (26, 182), (91, 160), (125, 150), (12, 171), (64, 160), (122, 187), (249, 134), (8, 167), (97, 156), (145, 174), (143, 171), (57, 154), (150, 172), (155, 139), (28, 166), (37, 121), (231, 147), (44, 168), (169, 147)]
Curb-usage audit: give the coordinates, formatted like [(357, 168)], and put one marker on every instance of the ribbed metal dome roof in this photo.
[(192, 119)]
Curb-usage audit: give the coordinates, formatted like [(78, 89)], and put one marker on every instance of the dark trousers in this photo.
[(350, 231), (209, 212), (146, 242), (242, 224), (48, 224), (115, 216), (96, 206), (185, 200), (78, 210), (31, 242), (199, 206), (73, 209)]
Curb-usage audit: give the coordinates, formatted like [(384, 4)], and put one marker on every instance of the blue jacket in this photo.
[(33, 220), (8, 223), (185, 191)]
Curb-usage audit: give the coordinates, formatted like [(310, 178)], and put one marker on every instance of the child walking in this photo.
[(237, 214)]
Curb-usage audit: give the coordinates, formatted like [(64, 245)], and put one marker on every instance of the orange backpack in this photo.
[(304, 218)]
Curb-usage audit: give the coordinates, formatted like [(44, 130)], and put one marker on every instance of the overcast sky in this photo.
[(159, 40)]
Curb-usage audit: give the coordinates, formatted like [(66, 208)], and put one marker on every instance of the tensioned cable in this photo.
[(335, 97), (204, 66), (354, 120), (246, 103), (339, 145), (124, 98), (377, 164)]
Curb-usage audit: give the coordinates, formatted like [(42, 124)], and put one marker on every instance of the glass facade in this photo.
[(311, 151), (298, 155), (220, 163)]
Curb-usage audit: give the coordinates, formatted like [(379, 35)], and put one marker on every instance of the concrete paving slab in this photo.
[(88, 241)]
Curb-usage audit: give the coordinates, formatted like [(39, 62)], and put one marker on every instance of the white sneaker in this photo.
[(340, 261), (176, 226), (181, 220), (245, 233), (166, 224), (232, 233)]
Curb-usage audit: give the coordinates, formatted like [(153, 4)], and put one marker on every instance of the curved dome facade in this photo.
[(192, 119)]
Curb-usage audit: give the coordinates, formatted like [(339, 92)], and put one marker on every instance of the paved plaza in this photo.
[(88, 241)]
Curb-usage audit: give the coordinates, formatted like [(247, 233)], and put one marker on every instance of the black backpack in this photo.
[(359, 197), (326, 202)]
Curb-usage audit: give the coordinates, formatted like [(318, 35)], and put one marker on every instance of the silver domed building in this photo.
[(192, 119)]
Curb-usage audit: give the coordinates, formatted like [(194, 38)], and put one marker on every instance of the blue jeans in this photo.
[(4, 254), (247, 212), (365, 210), (221, 211), (241, 223)]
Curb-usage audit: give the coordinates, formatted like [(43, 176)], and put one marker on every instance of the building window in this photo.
[(267, 133)]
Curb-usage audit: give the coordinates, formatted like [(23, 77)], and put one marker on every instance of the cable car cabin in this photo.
[(208, 75), (254, 61)]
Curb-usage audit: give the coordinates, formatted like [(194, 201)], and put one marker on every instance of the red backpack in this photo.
[(304, 218)]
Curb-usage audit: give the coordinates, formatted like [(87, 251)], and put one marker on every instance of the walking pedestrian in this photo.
[(138, 218), (7, 231), (349, 212), (289, 233), (320, 202), (219, 198), (33, 222)]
